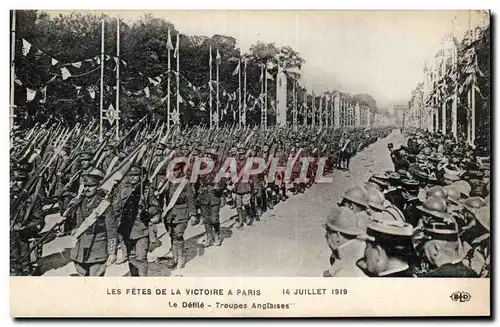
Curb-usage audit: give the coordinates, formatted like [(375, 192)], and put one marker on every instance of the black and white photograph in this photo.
[(227, 143)]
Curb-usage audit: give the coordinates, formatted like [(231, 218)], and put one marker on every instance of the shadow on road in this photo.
[(193, 249), (54, 261)]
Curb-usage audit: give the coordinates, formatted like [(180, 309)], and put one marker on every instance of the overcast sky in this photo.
[(376, 52)]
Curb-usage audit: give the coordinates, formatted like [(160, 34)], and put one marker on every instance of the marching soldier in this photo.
[(96, 247), (258, 200), (242, 190), (137, 208), (28, 223), (176, 220), (209, 196)]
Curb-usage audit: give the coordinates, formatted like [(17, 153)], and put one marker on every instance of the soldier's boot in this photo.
[(218, 238), (302, 187), (209, 241), (249, 215), (269, 200), (241, 218), (172, 261), (295, 188), (283, 193), (259, 207), (181, 256)]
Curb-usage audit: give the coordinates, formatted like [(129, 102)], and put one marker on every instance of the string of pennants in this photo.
[(156, 81)]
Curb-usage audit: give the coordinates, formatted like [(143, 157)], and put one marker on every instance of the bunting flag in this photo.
[(65, 73), (175, 117), (77, 64), (169, 42), (176, 52), (152, 81), (98, 60), (124, 63), (236, 70), (30, 94), (191, 103), (44, 95), (162, 100), (111, 114), (26, 47), (181, 100), (78, 88), (261, 76), (91, 92), (146, 91), (218, 58), (54, 62)]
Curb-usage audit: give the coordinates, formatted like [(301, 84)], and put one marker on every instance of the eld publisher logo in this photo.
[(460, 296)]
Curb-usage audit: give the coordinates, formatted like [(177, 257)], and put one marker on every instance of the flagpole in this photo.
[(294, 113), (210, 88), (178, 55), (217, 95), (102, 82), (239, 91), (313, 109), (320, 112), (12, 70), (168, 83), (118, 78), (245, 93), (305, 110), (262, 96), (264, 122)]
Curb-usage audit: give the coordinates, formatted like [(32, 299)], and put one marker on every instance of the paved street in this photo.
[(288, 241)]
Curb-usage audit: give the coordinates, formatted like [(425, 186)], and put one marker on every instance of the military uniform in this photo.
[(176, 220), (209, 198), (135, 211), (24, 230), (98, 242), (242, 190)]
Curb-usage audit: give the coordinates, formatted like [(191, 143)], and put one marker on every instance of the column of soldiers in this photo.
[(429, 217), (47, 170)]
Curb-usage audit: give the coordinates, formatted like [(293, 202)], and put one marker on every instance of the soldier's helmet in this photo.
[(356, 195), (435, 207), (426, 151), (242, 150), (463, 187), (420, 158), (436, 191), (92, 177), (345, 221), (474, 203), (375, 199), (483, 217), (452, 195)]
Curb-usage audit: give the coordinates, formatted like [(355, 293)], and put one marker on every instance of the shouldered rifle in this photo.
[(108, 185)]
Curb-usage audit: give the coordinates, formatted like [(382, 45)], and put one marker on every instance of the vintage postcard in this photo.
[(250, 163)]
